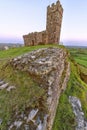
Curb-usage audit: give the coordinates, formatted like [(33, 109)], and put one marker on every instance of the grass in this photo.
[(81, 62), (7, 54), (80, 56), (83, 69), (65, 119), (27, 94)]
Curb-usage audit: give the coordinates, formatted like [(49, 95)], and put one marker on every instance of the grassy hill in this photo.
[(80, 56), (27, 94), (28, 90), (65, 119)]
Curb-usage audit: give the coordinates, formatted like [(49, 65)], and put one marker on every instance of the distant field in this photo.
[(79, 55)]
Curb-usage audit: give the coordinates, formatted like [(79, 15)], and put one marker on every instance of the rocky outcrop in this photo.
[(50, 69), (77, 109)]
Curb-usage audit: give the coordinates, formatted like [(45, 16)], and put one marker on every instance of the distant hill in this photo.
[(9, 45), (75, 43)]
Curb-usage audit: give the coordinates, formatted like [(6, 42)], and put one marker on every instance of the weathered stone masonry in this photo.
[(51, 70), (53, 27)]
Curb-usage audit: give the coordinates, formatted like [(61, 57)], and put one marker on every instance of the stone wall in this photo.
[(53, 28), (35, 38), (50, 69)]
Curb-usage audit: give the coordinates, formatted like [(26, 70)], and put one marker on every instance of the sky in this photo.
[(19, 17)]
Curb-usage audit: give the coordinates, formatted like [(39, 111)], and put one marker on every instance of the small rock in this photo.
[(0, 121), (33, 57), (25, 118), (85, 128), (77, 109), (15, 59), (40, 62), (19, 57), (26, 127), (11, 126), (32, 114), (45, 122), (18, 123), (40, 126), (10, 88), (49, 91), (4, 86), (49, 100), (37, 121), (1, 82)]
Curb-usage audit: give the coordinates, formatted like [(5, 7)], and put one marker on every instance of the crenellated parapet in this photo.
[(55, 7)]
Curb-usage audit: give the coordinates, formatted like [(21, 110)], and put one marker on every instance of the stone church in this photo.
[(53, 28)]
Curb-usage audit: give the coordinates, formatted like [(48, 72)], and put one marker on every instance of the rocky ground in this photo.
[(50, 68), (79, 114), (33, 84)]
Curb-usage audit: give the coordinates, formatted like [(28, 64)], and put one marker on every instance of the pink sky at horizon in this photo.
[(21, 17)]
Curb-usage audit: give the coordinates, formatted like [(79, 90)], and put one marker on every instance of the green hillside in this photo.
[(21, 50), (80, 56), (65, 119), (28, 91)]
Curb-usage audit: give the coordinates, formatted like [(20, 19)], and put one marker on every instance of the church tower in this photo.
[(54, 21)]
